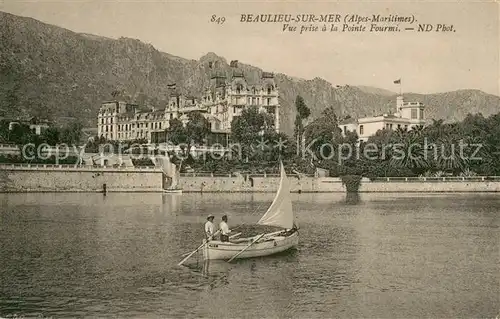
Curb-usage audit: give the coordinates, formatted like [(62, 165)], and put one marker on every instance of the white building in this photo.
[(220, 103), (408, 115), (227, 99)]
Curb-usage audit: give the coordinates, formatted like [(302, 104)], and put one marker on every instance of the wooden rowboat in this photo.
[(267, 246), (279, 214)]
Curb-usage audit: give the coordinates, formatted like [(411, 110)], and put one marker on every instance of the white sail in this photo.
[(169, 169), (280, 212), (175, 177), (167, 166)]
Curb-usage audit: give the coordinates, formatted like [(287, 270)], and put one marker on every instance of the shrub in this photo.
[(351, 182)]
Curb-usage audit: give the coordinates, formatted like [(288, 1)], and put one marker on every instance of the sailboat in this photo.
[(279, 214), (171, 172), (173, 188)]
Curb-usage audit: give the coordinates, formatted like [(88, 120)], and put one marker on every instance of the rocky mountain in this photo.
[(374, 90), (53, 72)]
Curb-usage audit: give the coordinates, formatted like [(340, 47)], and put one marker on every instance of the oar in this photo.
[(241, 251), (194, 251)]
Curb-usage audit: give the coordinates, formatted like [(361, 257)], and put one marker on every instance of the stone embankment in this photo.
[(307, 184), (68, 178)]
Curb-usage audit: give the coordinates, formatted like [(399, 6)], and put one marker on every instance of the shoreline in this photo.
[(64, 179), (236, 192)]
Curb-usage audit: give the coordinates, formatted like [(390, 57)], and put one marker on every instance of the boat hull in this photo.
[(216, 249), (172, 191)]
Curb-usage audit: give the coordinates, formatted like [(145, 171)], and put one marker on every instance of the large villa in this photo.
[(220, 103), (407, 115)]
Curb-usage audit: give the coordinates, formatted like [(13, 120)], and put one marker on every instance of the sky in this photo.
[(426, 62)]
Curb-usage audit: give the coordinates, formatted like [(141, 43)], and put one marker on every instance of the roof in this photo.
[(89, 130), (387, 116), (267, 75), (348, 121)]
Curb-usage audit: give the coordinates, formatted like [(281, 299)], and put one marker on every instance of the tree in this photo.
[(303, 112), (21, 134), (197, 128), (72, 134), (302, 108), (177, 132), (4, 131), (51, 136), (323, 135), (250, 130)]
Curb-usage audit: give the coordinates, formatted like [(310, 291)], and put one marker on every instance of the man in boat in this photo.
[(224, 229), (209, 227)]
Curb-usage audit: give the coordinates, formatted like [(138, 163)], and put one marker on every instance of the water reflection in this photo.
[(352, 198), (117, 256), (171, 203)]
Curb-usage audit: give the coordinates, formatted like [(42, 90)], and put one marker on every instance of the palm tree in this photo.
[(449, 156), (409, 154), (416, 130)]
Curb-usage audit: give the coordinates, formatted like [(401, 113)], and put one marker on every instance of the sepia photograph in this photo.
[(249, 159)]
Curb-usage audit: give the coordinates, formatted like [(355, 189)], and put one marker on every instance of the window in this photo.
[(269, 89), (253, 90), (268, 101), (361, 130), (234, 109), (239, 87), (399, 125), (414, 114), (421, 114), (345, 129)]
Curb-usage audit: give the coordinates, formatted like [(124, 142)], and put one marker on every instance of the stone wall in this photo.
[(328, 184), (60, 178), (430, 187), (67, 179)]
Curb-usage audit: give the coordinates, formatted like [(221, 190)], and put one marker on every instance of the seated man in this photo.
[(224, 229), (209, 228)]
